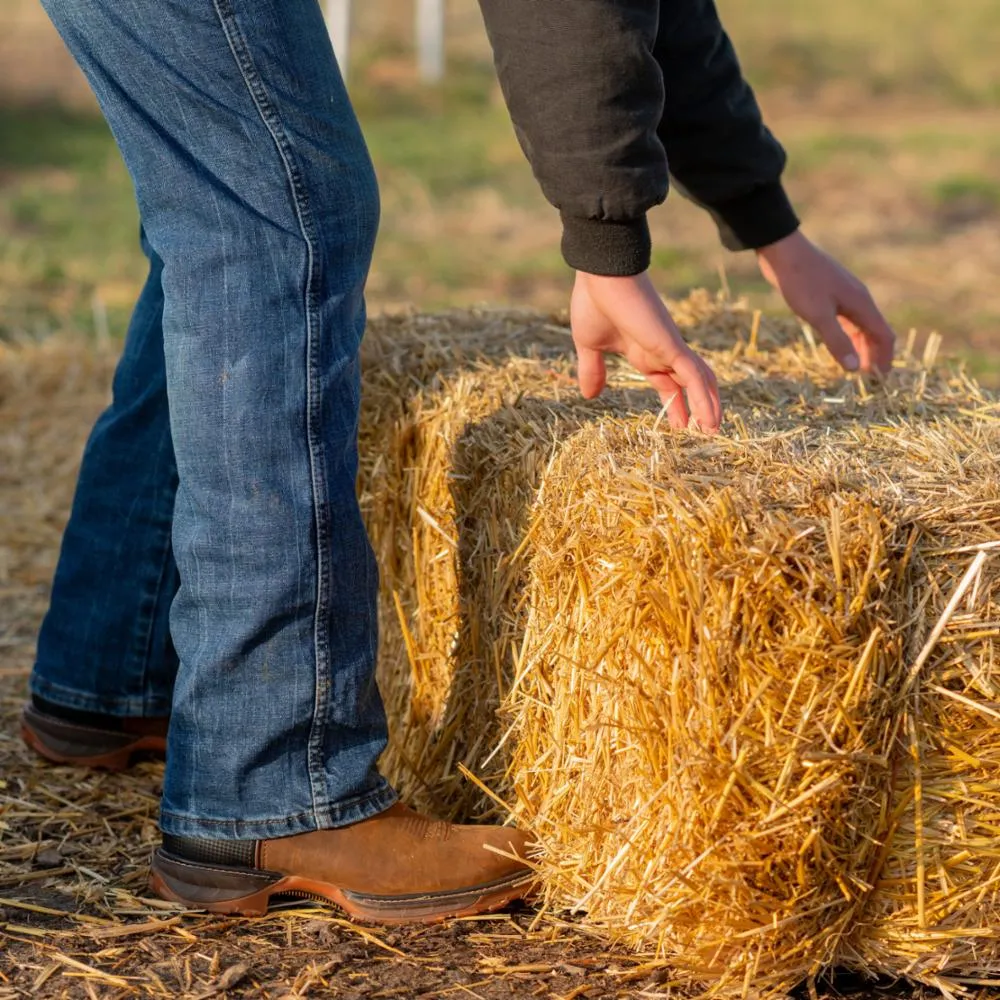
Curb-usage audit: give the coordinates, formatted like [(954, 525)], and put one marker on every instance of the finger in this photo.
[(880, 339), (661, 349), (713, 386), (863, 347), (672, 397), (696, 377), (590, 371), (713, 401), (836, 340)]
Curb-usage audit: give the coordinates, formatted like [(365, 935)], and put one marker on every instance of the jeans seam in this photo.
[(272, 122), (165, 562), (146, 643)]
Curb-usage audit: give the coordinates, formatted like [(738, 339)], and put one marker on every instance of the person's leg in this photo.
[(257, 193), (104, 646)]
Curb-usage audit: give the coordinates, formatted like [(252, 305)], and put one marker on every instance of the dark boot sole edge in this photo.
[(118, 759), (249, 893)]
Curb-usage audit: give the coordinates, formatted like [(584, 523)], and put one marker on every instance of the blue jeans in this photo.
[(215, 565)]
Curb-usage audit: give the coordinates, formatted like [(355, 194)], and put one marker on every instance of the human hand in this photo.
[(626, 316), (831, 300)]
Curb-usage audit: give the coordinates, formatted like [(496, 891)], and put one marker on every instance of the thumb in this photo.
[(590, 371), (836, 340)]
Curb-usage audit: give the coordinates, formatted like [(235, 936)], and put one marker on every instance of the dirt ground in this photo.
[(76, 919)]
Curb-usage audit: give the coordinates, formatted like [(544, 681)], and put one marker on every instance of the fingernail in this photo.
[(851, 362)]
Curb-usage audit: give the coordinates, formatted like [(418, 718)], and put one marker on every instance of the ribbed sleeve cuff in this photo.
[(757, 219), (614, 249)]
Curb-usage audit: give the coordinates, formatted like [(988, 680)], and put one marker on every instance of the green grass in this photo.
[(69, 222), (945, 49), (39, 138), (971, 191), (984, 366), (863, 150), (451, 138)]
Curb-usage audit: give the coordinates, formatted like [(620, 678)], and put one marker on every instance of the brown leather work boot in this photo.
[(397, 867), (83, 738)]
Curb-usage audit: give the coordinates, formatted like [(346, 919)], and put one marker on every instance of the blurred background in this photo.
[(889, 109)]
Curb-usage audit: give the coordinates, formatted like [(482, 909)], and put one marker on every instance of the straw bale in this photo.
[(703, 727), (603, 561), (935, 913), (687, 663)]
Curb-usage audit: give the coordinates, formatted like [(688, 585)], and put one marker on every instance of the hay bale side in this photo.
[(451, 473), (427, 496), (934, 915), (704, 708), (684, 596)]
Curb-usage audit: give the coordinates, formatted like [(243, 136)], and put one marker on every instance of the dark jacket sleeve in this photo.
[(585, 94), (598, 88), (720, 153)]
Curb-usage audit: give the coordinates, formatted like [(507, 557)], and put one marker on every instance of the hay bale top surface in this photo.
[(769, 369)]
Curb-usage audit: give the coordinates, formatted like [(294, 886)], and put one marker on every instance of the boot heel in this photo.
[(210, 887)]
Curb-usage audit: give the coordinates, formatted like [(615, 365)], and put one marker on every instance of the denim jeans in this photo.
[(215, 564)]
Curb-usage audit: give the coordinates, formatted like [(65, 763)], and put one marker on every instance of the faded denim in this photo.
[(215, 564)]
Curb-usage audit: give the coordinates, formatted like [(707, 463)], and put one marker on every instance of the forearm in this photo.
[(720, 152)]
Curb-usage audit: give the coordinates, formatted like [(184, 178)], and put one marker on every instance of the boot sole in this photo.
[(113, 759), (248, 893)]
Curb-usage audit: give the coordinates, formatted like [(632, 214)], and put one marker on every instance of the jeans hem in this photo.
[(337, 814), (130, 707)]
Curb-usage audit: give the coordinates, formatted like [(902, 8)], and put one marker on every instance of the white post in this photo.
[(430, 39), (338, 20)]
